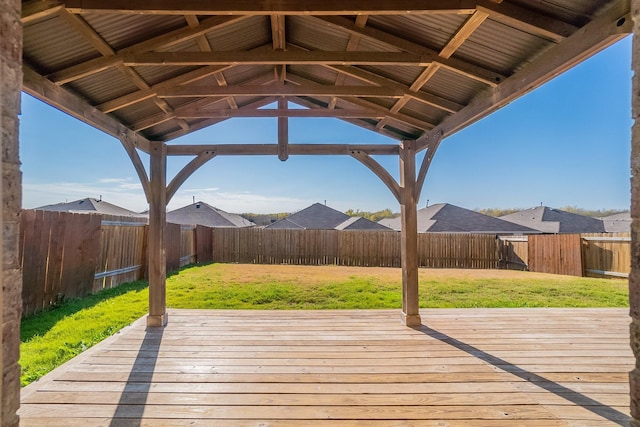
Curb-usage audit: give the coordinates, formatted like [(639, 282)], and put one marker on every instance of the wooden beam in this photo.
[(380, 172), (142, 95), (421, 96), (607, 28), (275, 57), (352, 44), (157, 239), (264, 7), (203, 102), (463, 33), (137, 165), (80, 25), (527, 20), (432, 147), (277, 32), (294, 149), (177, 181), (469, 70), (413, 121), (278, 90), (409, 235), (212, 113), (163, 41), (283, 132), (41, 88), (38, 9)]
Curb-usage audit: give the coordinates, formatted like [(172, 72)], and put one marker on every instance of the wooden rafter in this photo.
[(424, 97), (527, 20), (465, 68), (352, 44), (609, 27), (41, 88), (105, 49), (463, 33), (204, 102), (38, 9), (167, 40), (285, 7), (208, 122), (362, 103)]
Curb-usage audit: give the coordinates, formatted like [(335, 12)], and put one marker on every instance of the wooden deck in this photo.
[(463, 367)]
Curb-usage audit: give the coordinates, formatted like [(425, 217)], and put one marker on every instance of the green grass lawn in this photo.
[(57, 335)]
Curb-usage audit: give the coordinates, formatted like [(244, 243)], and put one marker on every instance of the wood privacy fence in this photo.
[(67, 255), (352, 248)]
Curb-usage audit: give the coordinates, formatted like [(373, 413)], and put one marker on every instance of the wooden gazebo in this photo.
[(150, 72)]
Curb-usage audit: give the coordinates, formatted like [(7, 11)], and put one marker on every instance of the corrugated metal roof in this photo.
[(52, 44)]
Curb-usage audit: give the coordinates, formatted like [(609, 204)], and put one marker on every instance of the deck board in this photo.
[(462, 367)]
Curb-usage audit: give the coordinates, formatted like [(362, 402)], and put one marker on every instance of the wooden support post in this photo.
[(409, 235), (283, 132), (157, 243)]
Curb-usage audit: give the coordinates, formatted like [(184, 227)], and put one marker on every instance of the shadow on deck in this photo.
[(462, 367)]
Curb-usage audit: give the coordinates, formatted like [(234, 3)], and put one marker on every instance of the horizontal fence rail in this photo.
[(66, 255)]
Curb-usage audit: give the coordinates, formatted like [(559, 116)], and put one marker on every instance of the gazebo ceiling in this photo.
[(408, 69)]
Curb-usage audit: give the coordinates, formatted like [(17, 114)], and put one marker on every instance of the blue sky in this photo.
[(566, 143)]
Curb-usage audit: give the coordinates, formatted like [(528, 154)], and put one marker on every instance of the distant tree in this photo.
[(372, 216), (497, 211), (597, 213), (264, 219)]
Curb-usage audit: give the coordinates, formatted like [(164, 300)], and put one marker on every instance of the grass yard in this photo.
[(57, 335)]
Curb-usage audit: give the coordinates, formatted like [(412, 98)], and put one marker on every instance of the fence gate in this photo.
[(556, 254)]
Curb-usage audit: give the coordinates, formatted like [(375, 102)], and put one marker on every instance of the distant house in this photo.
[(90, 205), (322, 217), (550, 220), (447, 218), (200, 213), (618, 223)]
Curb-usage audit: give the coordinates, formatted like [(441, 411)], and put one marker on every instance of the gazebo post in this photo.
[(409, 235), (157, 243)]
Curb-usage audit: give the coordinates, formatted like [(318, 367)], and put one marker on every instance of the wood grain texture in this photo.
[(461, 367)]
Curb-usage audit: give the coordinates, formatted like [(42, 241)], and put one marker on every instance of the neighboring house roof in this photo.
[(89, 205), (549, 220), (200, 213), (360, 223), (316, 216), (447, 218), (618, 223)]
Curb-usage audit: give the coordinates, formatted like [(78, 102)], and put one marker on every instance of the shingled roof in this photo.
[(317, 216), (362, 224), (618, 223), (550, 220), (90, 205), (200, 213), (449, 218)]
